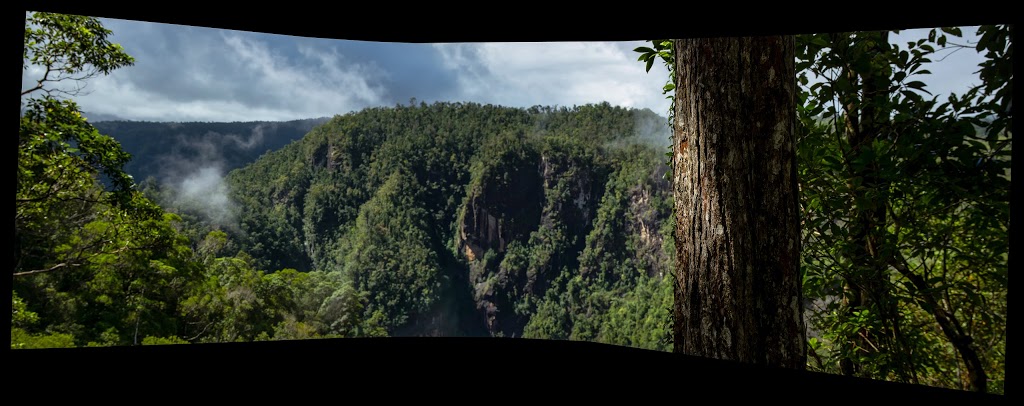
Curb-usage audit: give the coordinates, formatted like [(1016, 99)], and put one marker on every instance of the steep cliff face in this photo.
[(646, 216), (522, 225), (325, 156), (498, 212), (569, 184), (503, 206)]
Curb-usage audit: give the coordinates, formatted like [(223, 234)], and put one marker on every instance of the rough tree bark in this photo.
[(738, 277)]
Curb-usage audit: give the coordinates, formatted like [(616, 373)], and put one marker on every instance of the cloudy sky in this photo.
[(185, 73)]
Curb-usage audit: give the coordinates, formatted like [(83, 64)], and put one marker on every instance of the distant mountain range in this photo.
[(169, 151), (97, 117)]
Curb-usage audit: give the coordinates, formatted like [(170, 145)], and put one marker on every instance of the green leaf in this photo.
[(985, 40), (917, 84), (952, 31)]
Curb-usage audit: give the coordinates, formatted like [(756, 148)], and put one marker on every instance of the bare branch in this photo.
[(39, 83), (82, 260), (50, 269)]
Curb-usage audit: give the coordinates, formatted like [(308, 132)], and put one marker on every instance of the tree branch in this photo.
[(79, 257), (947, 321), (39, 83), (52, 268)]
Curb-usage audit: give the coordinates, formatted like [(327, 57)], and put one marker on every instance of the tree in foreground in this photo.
[(94, 259), (905, 206), (738, 293)]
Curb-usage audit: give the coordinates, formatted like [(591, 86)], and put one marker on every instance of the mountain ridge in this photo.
[(470, 219)]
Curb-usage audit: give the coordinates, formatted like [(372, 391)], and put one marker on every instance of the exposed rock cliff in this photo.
[(544, 207)]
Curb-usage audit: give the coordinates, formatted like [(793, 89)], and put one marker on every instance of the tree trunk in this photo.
[(738, 277), (867, 285)]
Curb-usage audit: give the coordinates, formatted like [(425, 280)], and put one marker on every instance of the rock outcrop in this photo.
[(530, 204)]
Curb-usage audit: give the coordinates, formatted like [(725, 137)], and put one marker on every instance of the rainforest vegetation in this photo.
[(545, 222)]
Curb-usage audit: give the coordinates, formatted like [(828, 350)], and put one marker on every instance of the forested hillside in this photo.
[(443, 219), (455, 219)]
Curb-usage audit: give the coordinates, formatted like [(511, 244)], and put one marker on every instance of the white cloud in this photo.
[(200, 74), (232, 76), (555, 73), (187, 73), (205, 190), (125, 99)]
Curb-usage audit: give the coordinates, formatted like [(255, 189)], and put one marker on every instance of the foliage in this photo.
[(379, 222), (21, 339), (69, 48), (359, 228), (227, 306), (21, 319), (382, 199), (91, 252), (905, 201), (389, 260), (163, 340), (663, 49), (59, 152), (617, 293)]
